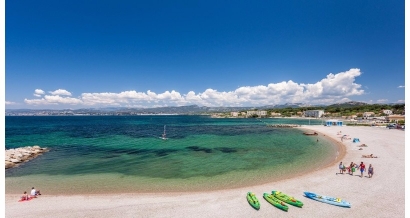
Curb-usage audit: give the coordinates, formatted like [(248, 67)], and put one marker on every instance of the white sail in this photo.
[(164, 135)]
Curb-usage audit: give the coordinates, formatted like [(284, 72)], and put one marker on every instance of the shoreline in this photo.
[(363, 193), (73, 185)]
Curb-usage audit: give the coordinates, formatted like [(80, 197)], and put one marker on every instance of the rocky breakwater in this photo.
[(16, 156), (284, 125)]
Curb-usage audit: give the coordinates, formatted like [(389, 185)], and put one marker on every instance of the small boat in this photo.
[(253, 201), (327, 199), (287, 199), (275, 202)]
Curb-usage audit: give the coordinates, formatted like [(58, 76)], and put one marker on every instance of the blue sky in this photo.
[(81, 54)]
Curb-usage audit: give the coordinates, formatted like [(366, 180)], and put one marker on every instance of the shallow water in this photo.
[(109, 154)]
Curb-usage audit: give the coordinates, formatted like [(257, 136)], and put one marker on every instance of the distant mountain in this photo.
[(348, 104), (183, 110), (290, 105)]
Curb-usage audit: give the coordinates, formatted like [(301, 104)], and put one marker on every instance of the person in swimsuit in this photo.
[(353, 166), (370, 171), (362, 168), (24, 197)]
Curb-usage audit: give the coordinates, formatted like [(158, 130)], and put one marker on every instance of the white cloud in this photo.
[(38, 92), (41, 101), (53, 100), (10, 103), (60, 92), (334, 88), (400, 101), (400, 87)]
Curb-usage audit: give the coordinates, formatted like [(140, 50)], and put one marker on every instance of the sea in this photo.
[(126, 154)]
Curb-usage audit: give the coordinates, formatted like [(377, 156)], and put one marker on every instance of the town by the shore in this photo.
[(383, 195)]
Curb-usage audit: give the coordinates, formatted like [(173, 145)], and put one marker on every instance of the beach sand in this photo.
[(380, 196)]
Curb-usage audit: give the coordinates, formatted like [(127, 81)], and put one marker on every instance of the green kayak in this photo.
[(275, 202), (253, 201), (287, 199)]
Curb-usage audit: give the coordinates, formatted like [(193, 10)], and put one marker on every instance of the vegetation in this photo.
[(338, 110)]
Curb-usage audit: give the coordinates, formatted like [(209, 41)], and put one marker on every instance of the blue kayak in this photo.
[(327, 199)]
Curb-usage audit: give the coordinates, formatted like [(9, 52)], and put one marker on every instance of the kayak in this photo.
[(327, 199), (253, 201), (287, 199), (275, 202)]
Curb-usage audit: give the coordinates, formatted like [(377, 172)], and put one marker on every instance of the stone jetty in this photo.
[(16, 156), (284, 125)]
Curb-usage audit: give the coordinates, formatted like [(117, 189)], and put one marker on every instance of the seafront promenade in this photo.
[(369, 197)]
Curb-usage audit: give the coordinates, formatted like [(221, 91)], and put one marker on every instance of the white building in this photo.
[(234, 114), (259, 113), (368, 114), (388, 112), (314, 113)]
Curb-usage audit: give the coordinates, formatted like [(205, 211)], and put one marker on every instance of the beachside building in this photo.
[(368, 114), (234, 114), (380, 119), (387, 112), (314, 113), (274, 114), (259, 113), (334, 123), (394, 118)]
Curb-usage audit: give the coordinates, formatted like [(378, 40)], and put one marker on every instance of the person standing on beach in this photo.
[(352, 168), (349, 169), (341, 168), (370, 171), (362, 168)]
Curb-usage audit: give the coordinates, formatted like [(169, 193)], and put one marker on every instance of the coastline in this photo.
[(363, 193), (311, 159)]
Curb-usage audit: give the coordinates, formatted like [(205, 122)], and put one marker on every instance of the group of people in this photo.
[(33, 194), (352, 168)]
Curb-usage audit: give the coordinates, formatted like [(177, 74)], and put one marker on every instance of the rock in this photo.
[(24, 158), (23, 154), (9, 164), (15, 160), (36, 152)]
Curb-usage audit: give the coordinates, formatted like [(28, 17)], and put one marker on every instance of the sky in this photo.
[(91, 54)]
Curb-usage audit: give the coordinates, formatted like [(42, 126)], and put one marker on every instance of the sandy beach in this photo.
[(380, 196)]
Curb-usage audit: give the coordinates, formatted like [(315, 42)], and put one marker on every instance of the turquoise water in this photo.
[(126, 154)]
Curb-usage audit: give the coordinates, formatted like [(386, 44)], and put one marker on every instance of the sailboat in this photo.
[(164, 135)]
